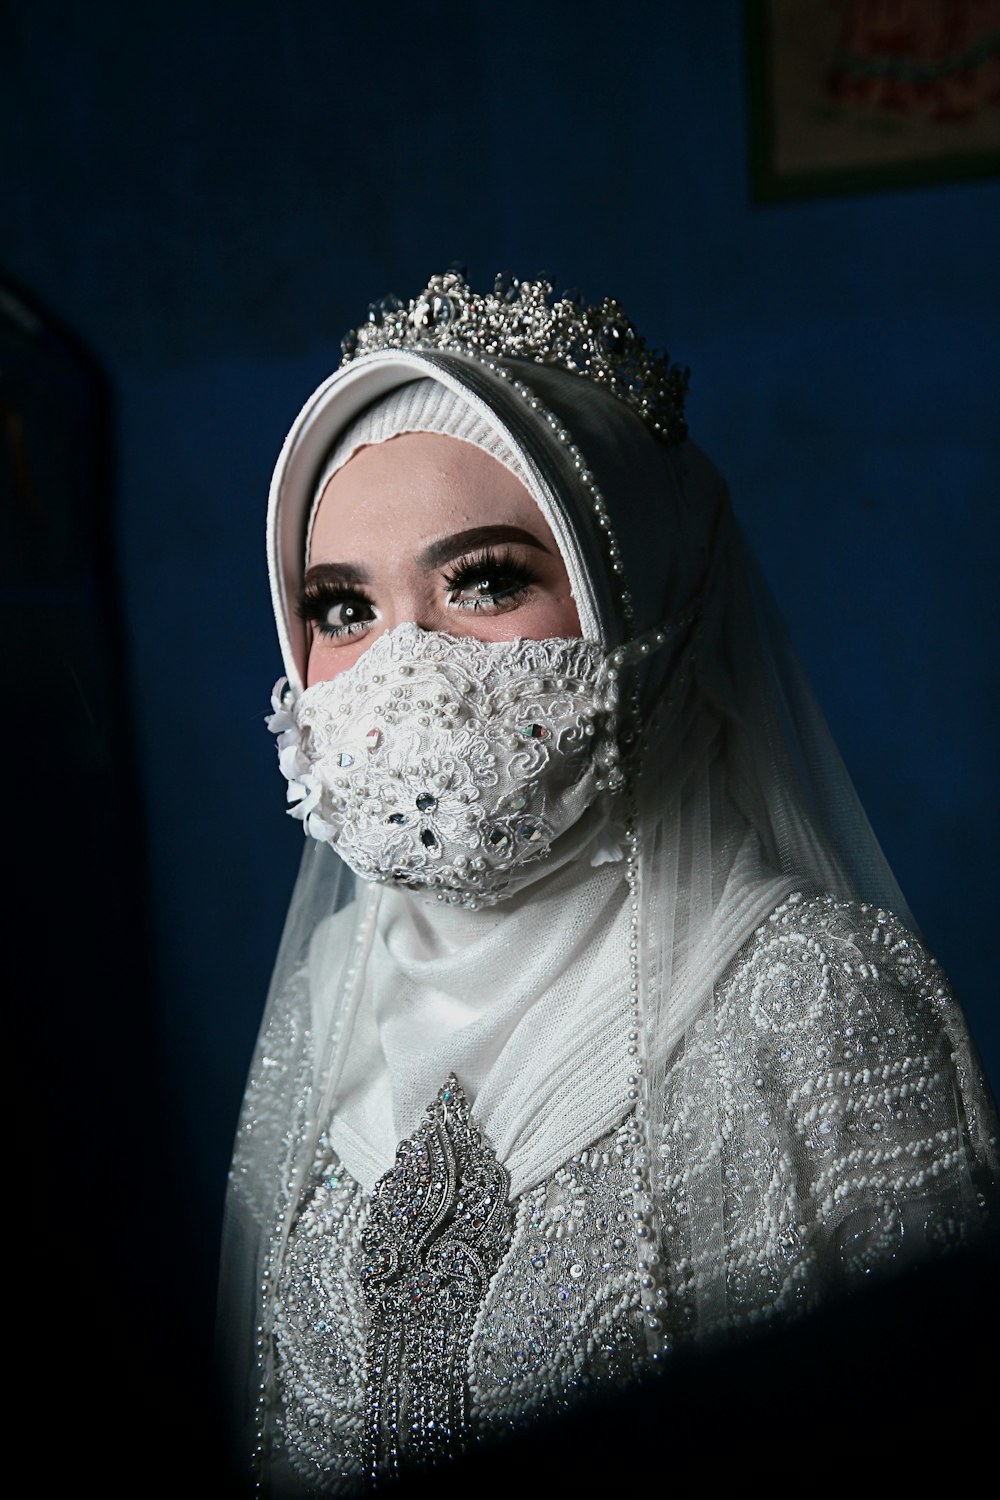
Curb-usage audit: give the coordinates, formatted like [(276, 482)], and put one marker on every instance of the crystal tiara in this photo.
[(520, 320)]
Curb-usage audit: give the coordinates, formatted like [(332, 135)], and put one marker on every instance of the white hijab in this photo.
[(528, 1002)]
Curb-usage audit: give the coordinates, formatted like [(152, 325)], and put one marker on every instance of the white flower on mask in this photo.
[(305, 789)]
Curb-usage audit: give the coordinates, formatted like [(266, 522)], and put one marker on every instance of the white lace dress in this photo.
[(853, 1132)]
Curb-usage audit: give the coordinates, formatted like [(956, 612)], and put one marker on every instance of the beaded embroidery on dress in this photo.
[(377, 1303), (833, 1061), (438, 1226)]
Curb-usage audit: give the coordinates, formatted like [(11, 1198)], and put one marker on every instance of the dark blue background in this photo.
[(211, 194)]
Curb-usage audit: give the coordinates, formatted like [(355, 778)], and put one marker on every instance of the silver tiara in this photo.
[(520, 320)]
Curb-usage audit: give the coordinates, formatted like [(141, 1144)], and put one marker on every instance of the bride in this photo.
[(599, 1024)]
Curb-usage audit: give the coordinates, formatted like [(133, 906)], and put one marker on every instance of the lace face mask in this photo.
[(445, 763)]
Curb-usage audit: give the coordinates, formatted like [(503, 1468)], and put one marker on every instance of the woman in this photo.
[(623, 1037)]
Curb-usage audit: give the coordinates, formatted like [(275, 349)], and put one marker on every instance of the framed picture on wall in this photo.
[(849, 95)]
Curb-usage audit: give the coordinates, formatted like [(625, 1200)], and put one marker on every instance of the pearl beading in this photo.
[(291, 1188), (446, 763), (584, 476), (834, 1129), (633, 652)]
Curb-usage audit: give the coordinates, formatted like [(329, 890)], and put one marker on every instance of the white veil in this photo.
[(739, 797)]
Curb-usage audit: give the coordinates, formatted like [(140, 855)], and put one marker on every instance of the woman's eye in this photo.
[(488, 583), (334, 615), (486, 587), (344, 615)]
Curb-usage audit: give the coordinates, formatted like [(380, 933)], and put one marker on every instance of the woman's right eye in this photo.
[(333, 613)]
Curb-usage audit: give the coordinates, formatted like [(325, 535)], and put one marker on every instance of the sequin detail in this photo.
[(826, 1088), (438, 1229), (822, 1090), (564, 1316), (319, 1332)]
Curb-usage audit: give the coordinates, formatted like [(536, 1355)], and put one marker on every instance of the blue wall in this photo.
[(211, 195)]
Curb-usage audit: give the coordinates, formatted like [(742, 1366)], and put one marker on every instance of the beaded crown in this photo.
[(522, 320)]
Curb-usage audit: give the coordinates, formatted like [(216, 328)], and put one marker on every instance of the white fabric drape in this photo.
[(739, 796)]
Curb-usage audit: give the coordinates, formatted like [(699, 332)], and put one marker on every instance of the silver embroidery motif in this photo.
[(438, 1228), (823, 1097)]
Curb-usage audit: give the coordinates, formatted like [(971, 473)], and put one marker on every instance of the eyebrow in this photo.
[(336, 575), (447, 548), (434, 555)]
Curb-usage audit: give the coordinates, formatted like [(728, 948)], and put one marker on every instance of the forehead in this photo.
[(413, 488)]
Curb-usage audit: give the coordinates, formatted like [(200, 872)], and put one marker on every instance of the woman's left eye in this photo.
[(489, 582)]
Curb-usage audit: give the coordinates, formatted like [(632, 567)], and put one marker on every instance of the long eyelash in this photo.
[(315, 599), (489, 561)]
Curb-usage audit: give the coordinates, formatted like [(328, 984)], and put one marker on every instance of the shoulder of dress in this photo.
[(861, 940), (841, 995), (816, 956)]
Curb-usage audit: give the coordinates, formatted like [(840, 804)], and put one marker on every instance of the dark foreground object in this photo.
[(898, 1384)]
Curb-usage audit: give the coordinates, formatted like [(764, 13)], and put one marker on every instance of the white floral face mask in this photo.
[(446, 763)]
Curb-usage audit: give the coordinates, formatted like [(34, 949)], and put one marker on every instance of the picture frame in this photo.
[(848, 96)]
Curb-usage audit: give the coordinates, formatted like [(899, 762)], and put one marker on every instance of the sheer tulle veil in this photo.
[(736, 796)]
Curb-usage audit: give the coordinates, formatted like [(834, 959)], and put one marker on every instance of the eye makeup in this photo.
[(338, 600), (335, 611), (489, 579)]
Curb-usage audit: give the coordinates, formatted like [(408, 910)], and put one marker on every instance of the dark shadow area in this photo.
[(896, 1385), (107, 1305), (893, 1386)]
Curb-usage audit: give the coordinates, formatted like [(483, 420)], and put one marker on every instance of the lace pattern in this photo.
[(448, 762), (563, 1315), (825, 1088)]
